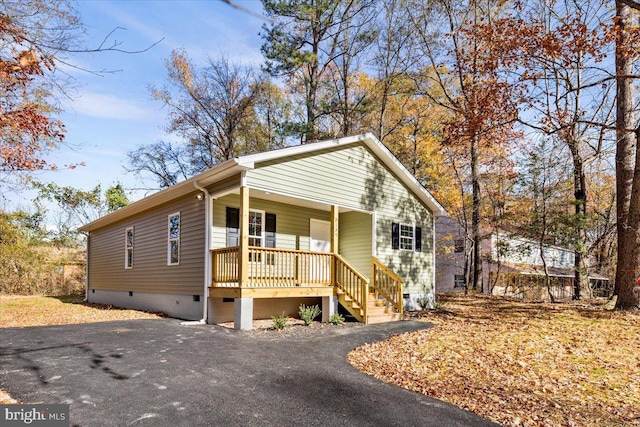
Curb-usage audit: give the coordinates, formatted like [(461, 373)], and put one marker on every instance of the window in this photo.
[(256, 228), (406, 237), (128, 248), (459, 245), (458, 281), (262, 228), (173, 242)]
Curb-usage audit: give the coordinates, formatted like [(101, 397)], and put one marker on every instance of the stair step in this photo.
[(383, 318), (374, 310)]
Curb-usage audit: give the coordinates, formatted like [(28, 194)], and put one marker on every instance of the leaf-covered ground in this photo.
[(519, 364), (21, 311)]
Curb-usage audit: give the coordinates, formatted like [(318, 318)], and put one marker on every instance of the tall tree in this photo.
[(627, 157), (554, 51), (482, 108), (316, 45), (215, 112)]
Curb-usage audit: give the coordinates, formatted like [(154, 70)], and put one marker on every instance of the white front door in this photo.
[(320, 241), (320, 235)]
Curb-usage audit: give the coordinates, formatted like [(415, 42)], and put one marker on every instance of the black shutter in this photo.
[(233, 227), (418, 239), (395, 235), (270, 231)]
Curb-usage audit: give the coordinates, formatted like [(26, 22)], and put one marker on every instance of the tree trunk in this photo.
[(476, 275), (580, 193), (627, 258)]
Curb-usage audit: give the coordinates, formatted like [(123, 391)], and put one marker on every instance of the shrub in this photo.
[(336, 319), (423, 302), (280, 322), (308, 313)]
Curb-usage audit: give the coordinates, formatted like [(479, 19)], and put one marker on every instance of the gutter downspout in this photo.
[(207, 255), (86, 270)]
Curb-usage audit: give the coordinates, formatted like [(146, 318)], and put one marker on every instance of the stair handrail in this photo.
[(394, 293), (360, 296)]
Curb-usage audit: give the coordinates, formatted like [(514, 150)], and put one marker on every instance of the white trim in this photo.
[(262, 232), (126, 248), (413, 238), (86, 270), (208, 177), (374, 230), (208, 224), (169, 239)]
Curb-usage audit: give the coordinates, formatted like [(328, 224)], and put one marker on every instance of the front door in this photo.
[(320, 235), (319, 241)]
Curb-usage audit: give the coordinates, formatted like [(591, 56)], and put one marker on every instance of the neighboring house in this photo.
[(338, 221), (511, 265)]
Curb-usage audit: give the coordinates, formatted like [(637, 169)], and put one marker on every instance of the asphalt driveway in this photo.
[(160, 373)]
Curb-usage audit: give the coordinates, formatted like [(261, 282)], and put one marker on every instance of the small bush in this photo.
[(336, 319), (280, 322), (308, 313), (423, 302)]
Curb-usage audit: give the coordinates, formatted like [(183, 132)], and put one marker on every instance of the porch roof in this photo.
[(243, 163)]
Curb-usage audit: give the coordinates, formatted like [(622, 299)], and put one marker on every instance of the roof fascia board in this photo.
[(220, 171)]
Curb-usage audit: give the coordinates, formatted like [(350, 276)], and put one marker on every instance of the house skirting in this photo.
[(221, 310), (175, 305)]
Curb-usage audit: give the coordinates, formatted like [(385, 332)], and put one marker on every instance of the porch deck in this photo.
[(284, 273)]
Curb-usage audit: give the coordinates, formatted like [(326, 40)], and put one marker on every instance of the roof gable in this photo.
[(248, 162)]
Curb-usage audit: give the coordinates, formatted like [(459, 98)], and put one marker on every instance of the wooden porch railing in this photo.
[(352, 283), (388, 284), (269, 267)]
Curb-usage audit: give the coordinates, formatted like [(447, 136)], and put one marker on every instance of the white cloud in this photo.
[(109, 106)]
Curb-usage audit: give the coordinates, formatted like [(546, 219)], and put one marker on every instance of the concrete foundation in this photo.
[(243, 313), (174, 305), (329, 307)]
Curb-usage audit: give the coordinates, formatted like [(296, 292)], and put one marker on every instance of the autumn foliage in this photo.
[(26, 126)]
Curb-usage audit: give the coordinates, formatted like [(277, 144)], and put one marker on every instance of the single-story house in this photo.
[(334, 222)]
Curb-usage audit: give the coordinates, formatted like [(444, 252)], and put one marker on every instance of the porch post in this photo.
[(334, 229), (243, 251), (243, 314), (329, 307), (334, 247)]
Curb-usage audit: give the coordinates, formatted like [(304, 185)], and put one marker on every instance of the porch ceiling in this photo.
[(291, 200)]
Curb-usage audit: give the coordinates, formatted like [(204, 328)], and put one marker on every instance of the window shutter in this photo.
[(233, 227), (395, 235), (270, 231), (418, 239)]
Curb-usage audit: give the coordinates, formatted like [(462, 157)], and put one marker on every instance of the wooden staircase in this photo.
[(375, 301), (376, 310)]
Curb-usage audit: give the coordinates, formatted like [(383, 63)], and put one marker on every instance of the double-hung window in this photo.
[(406, 237), (128, 248), (173, 239), (256, 228)]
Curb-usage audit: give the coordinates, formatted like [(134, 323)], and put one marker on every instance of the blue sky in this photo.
[(113, 113)]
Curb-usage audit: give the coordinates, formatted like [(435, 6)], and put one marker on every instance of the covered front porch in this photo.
[(271, 252), (282, 273)]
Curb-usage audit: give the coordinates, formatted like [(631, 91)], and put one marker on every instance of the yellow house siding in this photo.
[(352, 176), (355, 240), (150, 272), (292, 222)]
